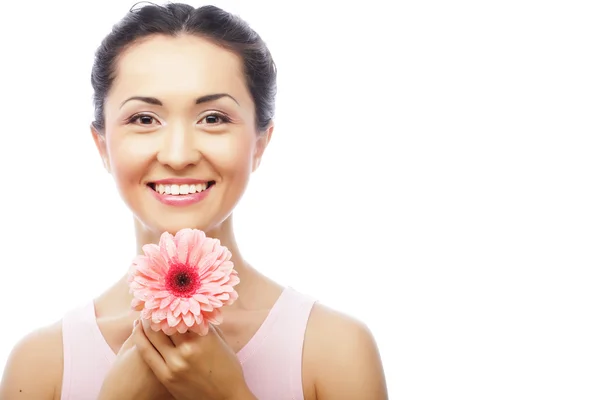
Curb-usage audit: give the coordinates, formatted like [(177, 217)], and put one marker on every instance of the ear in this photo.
[(261, 145), (100, 141)]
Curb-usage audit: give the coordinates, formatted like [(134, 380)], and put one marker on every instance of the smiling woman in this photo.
[(184, 105)]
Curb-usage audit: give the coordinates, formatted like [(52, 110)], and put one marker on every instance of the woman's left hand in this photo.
[(194, 367)]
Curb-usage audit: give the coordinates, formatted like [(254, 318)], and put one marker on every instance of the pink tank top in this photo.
[(271, 360)]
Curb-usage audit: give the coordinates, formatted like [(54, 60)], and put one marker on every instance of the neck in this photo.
[(223, 232)]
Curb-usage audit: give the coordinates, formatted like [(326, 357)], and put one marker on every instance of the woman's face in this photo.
[(180, 138)]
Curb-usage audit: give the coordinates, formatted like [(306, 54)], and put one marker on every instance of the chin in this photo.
[(175, 223), (207, 216)]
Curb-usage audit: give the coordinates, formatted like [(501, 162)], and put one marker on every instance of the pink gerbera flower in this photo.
[(181, 283)]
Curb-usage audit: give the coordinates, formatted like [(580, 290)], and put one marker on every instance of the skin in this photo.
[(215, 140)]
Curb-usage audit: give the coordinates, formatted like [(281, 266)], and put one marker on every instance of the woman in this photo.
[(184, 102)]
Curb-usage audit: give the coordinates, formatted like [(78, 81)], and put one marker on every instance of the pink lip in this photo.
[(180, 200)]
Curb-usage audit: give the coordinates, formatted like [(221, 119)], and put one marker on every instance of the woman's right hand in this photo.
[(130, 378)]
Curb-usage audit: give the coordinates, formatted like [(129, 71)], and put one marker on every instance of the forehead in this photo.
[(186, 65)]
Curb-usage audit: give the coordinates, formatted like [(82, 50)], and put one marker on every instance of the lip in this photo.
[(180, 200)]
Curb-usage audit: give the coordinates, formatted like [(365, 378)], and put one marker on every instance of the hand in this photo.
[(191, 366), (130, 377)]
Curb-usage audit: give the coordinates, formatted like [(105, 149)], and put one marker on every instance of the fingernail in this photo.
[(137, 321)]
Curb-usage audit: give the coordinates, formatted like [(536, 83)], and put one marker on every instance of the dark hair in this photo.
[(210, 22)]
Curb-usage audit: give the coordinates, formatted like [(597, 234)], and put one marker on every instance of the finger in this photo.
[(149, 353), (193, 334), (218, 331), (159, 340), (188, 337), (180, 338), (216, 335), (129, 343)]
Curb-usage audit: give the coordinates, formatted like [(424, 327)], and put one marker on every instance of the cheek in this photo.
[(231, 156), (129, 160)]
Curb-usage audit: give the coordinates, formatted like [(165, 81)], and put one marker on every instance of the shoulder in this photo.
[(34, 367), (341, 357)]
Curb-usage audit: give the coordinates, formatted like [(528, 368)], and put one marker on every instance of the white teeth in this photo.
[(176, 190)]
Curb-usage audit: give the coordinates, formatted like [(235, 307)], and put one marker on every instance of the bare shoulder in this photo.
[(34, 367), (341, 357)]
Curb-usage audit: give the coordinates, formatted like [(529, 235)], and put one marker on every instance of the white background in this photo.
[(434, 172)]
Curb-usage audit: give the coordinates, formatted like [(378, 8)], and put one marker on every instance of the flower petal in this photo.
[(143, 294), (183, 242), (163, 294), (137, 304), (159, 316), (171, 319), (209, 244), (188, 319), (233, 280), (195, 253), (156, 326), (146, 313), (184, 306), (219, 252), (168, 248), (226, 266), (200, 298), (215, 317), (226, 256), (207, 264), (168, 330), (226, 289), (217, 275), (183, 234), (223, 296), (194, 306), (153, 303), (200, 328), (177, 312), (133, 285), (174, 303), (182, 327), (156, 258), (215, 302), (147, 283), (233, 297), (166, 302)]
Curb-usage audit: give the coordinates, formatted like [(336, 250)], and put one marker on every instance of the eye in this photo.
[(142, 119), (215, 119)]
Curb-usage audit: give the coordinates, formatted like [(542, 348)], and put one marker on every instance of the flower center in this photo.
[(182, 280)]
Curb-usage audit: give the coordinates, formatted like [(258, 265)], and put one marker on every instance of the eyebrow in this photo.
[(199, 100)]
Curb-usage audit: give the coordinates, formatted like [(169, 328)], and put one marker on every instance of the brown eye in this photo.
[(142, 119), (212, 119), (215, 119), (145, 119)]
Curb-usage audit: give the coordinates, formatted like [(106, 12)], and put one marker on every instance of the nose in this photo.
[(178, 149)]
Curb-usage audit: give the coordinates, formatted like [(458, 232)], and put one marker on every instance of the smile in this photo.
[(181, 195), (178, 190)]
